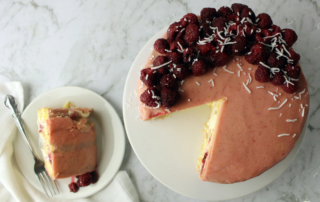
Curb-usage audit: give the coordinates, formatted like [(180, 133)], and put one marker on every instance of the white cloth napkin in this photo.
[(14, 187)]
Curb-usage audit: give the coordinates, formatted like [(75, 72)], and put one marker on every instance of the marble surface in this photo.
[(92, 43)]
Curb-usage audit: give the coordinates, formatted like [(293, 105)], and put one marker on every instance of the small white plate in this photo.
[(110, 137), (169, 148)]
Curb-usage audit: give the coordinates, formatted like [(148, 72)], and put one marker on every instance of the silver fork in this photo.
[(46, 182)]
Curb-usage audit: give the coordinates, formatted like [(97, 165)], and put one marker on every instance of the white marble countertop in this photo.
[(92, 43)]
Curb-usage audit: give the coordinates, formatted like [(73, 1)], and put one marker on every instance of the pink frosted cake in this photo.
[(69, 147), (244, 67)]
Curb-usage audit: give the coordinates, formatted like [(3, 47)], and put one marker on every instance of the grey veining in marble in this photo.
[(92, 43)]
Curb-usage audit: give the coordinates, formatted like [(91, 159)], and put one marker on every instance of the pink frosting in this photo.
[(246, 142)]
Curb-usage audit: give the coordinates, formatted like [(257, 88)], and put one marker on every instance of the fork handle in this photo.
[(11, 103)]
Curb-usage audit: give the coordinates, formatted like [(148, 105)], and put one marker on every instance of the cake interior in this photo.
[(209, 132)]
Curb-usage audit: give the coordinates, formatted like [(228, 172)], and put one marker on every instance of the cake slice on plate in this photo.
[(69, 141)]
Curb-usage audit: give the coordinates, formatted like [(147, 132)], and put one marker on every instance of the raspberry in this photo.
[(289, 88), (159, 61), (73, 187), (178, 45), (278, 79), (205, 48), (207, 14), (218, 59), (191, 34), (263, 33), (237, 8), (173, 30), (161, 45), (240, 47), (189, 18), (265, 21), (249, 30), (248, 13), (233, 29), (289, 36), (150, 97), (181, 71), (95, 177), (262, 74), (169, 81), (294, 56), (258, 53), (274, 62), (85, 180), (234, 18), (205, 30), (199, 68), (219, 23), (275, 29), (189, 54), (149, 77), (169, 97), (175, 57), (293, 71), (224, 11)]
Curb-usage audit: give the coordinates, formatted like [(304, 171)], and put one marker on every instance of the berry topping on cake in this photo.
[(264, 21), (219, 23), (84, 180), (205, 48), (263, 36), (207, 14), (295, 57), (169, 97), (160, 60), (248, 13), (151, 97), (161, 45), (205, 30), (173, 31), (290, 88), (293, 71), (73, 187), (181, 71), (175, 57), (177, 45), (258, 53), (262, 74), (289, 36), (168, 81), (278, 78), (224, 11), (199, 68), (218, 59), (189, 18), (189, 54), (240, 47), (237, 8), (273, 61), (191, 34), (149, 77)]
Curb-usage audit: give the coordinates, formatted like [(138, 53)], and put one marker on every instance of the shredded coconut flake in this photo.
[(285, 134), (246, 87), (224, 68), (275, 108), (260, 87), (197, 83), (164, 64), (291, 120)]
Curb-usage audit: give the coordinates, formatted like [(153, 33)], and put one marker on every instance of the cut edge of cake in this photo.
[(209, 133)]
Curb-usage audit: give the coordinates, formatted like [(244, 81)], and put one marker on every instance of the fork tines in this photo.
[(48, 184)]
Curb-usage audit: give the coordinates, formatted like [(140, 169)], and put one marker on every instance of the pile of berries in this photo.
[(194, 45), (83, 181)]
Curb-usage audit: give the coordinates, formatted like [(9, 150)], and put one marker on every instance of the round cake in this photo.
[(245, 68)]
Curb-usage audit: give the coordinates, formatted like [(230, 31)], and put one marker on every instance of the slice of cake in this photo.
[(244, 66), (69, 147)]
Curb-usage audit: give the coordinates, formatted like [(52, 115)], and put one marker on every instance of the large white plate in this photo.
[(110, 137), (169, 148)]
